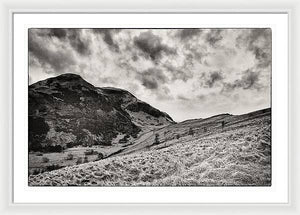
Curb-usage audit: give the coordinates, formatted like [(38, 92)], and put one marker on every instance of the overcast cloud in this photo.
[(188, 73)]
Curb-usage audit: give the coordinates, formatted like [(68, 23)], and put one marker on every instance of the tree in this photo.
[(100, 156), (156, 140), (79, 160), (191, 131), (223, 124), (70, 156), (45, 159)]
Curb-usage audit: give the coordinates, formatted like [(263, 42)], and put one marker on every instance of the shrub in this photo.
[(124, 139), (45, 159), (70, 156), (56, 148), (79, 160), (70, 145), (85, 159), (177, 136), (90, 152), (53, 167), (105, 143), (39, 154), (36, 172)]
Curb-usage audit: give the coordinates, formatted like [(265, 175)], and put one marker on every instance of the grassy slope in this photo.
[(240, 154), (60, 158)]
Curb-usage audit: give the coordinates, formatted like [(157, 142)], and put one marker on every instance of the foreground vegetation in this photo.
[(238, 154)]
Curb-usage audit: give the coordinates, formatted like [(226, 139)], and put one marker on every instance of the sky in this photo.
[(187, 73)]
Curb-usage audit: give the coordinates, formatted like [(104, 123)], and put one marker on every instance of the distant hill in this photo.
[(200, 128), (66, 111)]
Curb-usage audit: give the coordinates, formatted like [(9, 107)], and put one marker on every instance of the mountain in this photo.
[(66, 111)]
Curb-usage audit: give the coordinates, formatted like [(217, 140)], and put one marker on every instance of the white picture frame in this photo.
[(285, 207)]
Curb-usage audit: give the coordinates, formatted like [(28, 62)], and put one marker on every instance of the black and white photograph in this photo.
[(159, 107)]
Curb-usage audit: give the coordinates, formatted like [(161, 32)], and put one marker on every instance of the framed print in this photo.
[(179, 108), (130, 107)]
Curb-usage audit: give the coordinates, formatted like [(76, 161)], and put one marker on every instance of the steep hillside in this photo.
[(223, 150), (67, 111), (193, 129)]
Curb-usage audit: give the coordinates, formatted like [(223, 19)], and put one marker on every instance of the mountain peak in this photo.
[(64, 80), (66, 111), (69, 76)]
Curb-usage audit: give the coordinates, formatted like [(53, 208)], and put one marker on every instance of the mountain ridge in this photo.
[(66, 110)]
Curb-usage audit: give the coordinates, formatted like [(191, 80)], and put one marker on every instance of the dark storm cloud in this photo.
[(186, 34), (107, 35), (40, 51), (151, 45), (209, 80), (134, 57), (58, 32), (149, 83), (176, 73), (195, 52), (127, 66), (182, 98), (213, 78), (72, 36), (214, 36), (201, 97), (259, 42), (78, 42), (152, 78), (263, 57), (248, 81), (163, 94)]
